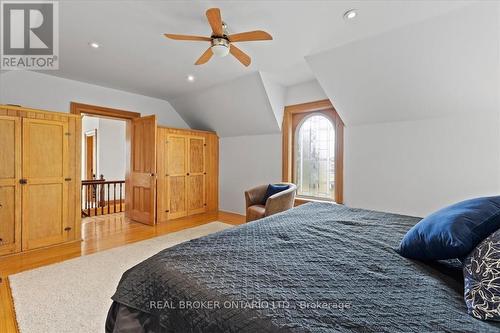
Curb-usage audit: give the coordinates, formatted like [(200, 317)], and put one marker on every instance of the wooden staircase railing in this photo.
[(100, 197)]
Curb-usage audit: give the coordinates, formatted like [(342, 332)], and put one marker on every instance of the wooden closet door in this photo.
[(177, 169), (44, 194), (196, 200), (142, 178), (10, 194)]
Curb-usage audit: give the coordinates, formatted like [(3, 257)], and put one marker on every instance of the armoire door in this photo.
[(10, 194), (177, 169), (196, 201), (44, 183), (141, 205)]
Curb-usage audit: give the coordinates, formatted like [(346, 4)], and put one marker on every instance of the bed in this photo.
[(319, 267)]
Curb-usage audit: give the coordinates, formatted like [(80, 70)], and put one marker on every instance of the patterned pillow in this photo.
[(482, 279)]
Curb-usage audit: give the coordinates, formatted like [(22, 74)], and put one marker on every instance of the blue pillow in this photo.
[(452, 232), (273, 189)]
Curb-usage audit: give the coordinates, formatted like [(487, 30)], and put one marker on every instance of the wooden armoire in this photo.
[(39, 178), (187, 173)]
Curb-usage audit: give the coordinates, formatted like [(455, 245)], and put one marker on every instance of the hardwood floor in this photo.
[(99, 233)]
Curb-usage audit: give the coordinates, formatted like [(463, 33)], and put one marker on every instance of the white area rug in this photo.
[(74, 296)]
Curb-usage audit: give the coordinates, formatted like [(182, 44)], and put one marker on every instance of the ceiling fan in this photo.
[(221, 42)]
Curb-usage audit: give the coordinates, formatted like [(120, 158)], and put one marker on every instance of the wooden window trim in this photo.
[(288, 127), (79, 108)]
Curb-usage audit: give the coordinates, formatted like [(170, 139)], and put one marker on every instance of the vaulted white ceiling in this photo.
[(134, 56), (441, 66), (397, 60)]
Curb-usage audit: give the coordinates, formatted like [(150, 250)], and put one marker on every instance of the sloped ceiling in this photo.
[(238, 107), (276, 96), (135, 56), (447, 64)]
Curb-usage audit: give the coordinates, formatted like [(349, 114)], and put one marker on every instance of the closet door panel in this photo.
[(196, 176), (196, 194), (196, 155), (162, 179), (177, 197), (177, 175), (10, 194), (45, 169)]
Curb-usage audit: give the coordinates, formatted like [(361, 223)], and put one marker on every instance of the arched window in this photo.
[(314, 157)]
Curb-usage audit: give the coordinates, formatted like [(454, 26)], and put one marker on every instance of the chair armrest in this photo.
[(281, 201), (255, 195)]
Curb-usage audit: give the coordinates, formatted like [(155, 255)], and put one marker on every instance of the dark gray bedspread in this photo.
[(316, 268)]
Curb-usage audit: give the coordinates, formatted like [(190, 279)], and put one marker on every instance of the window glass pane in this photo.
[(315, 157)]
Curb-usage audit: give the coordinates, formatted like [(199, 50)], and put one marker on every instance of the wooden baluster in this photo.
[(81, 201), (109, 202), (85, 196), (120, 197), (95, 199), (103, 199), (114, 197), (87, 199)]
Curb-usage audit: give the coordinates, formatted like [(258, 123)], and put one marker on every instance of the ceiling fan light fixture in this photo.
[(350, 14), (220, 47)]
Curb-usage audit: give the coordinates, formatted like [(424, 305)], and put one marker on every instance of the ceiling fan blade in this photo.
[(250, 36), (188, 37), (204, 57), (240, 55), (215, 21)]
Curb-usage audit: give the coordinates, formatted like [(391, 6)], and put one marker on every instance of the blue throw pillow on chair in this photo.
[(452, 232), (273, 189)]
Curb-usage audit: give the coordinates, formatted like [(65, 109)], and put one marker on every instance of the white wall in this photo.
[(112, 145), (42, 91), (304, 92), (416, 167), (245, 162)]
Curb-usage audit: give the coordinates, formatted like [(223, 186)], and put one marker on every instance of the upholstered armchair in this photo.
[(279, 202)]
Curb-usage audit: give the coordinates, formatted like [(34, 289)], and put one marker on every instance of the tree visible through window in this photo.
[(315, 157)]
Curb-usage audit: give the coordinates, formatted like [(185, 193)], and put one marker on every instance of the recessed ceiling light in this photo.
[(190, 78), (94, 45), (350, 14)]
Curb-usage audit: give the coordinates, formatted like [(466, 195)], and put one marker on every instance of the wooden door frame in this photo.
[(105, 112), (80, 108)]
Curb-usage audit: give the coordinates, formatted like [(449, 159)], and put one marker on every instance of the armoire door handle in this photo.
[(23, 181), (187, 174)]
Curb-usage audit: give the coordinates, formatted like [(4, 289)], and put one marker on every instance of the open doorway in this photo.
[(120, 162), (103, 165)]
